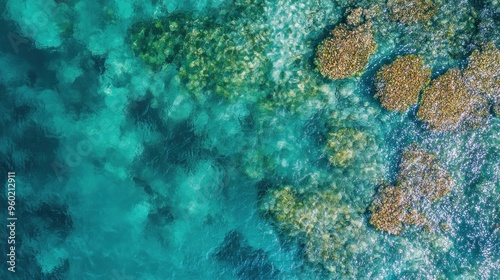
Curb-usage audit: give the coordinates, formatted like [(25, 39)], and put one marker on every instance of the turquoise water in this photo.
[(137, 164)]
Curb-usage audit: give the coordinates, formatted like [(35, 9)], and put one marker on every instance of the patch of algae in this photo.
[(224, 54), (302, 87), (399, 84), (420, 179)]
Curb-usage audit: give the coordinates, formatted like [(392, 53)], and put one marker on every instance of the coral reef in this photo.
[(355, 17), (325, 224), (482, 74), (353, 149), (346, 52), (392, 209), (440, 31), (227, 59), (421, 175), (420, 179), (225, 56), (446, 105), (399, 83), (410, 11)]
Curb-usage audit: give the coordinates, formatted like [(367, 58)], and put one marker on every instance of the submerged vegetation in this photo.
[(324, 223)]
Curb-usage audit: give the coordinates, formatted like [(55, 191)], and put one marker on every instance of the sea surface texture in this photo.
[(251, 139)]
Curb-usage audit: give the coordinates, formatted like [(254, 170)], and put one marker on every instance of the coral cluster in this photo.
[(447, 105), (391, 210), (399, 83), (420, 179), (225, 56), (321, 220), (482, 74), (421, 175), (228, 59), (410, 11), (355, 17), (346, 52)]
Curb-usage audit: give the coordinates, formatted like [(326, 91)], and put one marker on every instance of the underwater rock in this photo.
[(399, 83), (410, 11), (446, 104), (346, 52), (420, 178), (249, 263), (162, 216)]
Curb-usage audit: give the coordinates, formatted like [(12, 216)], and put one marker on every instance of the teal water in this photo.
[(134, 163)]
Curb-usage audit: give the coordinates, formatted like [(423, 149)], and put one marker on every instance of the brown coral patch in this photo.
[(410, 11), (421, 175), (389, 210), (346, 53), (399, 83), (482, 74), (420, 178), (447, 105)]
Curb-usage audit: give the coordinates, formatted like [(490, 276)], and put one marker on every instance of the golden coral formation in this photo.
[(447, 105), (399, 83), (421, 175), (420, 178), (302, 215), (410, 11), (355, 17), (392, 210), (482, 74), (346, 53)]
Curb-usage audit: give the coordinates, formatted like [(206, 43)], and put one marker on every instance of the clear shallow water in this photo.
[(124, 171)]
